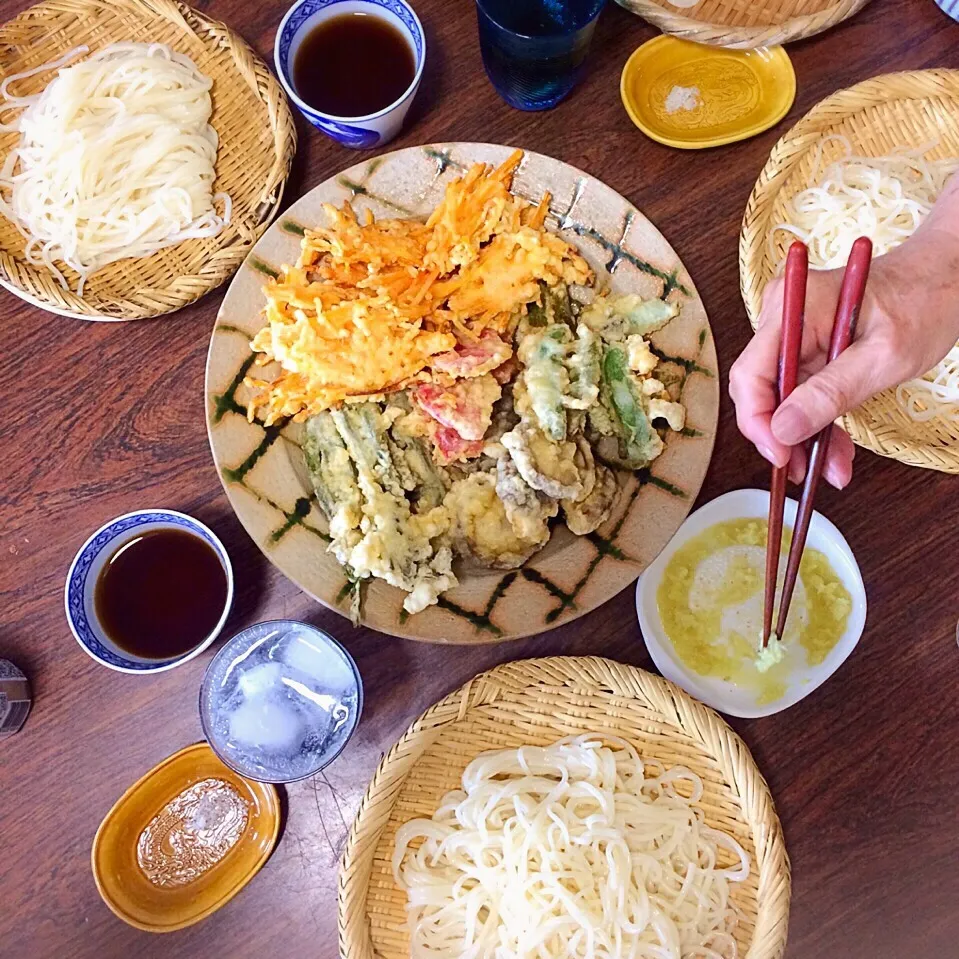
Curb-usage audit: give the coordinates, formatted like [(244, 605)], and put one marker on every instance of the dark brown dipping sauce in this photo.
[(161, 594), (353, 65)]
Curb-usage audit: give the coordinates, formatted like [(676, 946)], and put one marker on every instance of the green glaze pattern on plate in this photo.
[(264, 473)]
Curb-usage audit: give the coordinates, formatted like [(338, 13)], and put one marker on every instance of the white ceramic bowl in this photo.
[(85, 570), (725, 696)]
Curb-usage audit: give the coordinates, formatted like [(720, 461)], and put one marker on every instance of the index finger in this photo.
[(753, 386)]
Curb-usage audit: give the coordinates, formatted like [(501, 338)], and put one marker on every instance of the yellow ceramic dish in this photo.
[(738, 93), (124, 885)]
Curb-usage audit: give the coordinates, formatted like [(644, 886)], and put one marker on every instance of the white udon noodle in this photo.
[(115, 160), (884, 198), (576, 850)]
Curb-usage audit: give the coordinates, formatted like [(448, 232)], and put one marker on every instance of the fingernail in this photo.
[(789, 425), (770, 456), (837, 480)]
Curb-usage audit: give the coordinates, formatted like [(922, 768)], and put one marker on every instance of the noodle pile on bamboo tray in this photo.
[(252, 123), (535, 703), (758, 23), (898, 112)]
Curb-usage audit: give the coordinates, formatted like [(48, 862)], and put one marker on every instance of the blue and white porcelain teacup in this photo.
[(95, 553), (359, 133)]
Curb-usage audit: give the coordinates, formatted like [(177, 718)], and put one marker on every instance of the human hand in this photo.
[(909, 321)]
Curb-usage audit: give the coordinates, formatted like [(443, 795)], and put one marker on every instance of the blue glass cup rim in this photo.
[(597, 9), (284, 70), (222, 653)]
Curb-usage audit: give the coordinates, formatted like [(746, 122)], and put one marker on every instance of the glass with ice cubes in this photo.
[(280, 700)]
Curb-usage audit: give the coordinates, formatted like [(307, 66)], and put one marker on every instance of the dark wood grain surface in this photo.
[(105, 418)]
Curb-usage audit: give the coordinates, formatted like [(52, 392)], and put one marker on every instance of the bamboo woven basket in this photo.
[(878, 115), (536, 702), (250, 115), (745, 23)]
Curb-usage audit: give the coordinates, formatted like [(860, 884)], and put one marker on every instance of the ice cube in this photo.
[(307, 697), (300, 654), (257, 680), (268, 723)]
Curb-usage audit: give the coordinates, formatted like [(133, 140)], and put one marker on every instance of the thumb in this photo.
[(837, 388)]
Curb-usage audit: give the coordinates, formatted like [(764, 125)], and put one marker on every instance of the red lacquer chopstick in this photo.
[(844, 328), (794, 302)]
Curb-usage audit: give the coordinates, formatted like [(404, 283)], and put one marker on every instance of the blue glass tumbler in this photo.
[(534, 50)]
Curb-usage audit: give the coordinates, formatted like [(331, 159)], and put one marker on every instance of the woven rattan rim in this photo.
[(567, 679), (673, 20), (917, 106), (53, 27)]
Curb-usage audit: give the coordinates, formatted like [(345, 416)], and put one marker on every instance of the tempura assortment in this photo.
[(461, 384)]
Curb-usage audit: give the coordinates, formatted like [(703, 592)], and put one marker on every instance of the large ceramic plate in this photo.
[(264, 473)]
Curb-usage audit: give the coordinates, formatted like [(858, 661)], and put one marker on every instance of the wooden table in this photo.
[(105, 418)]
